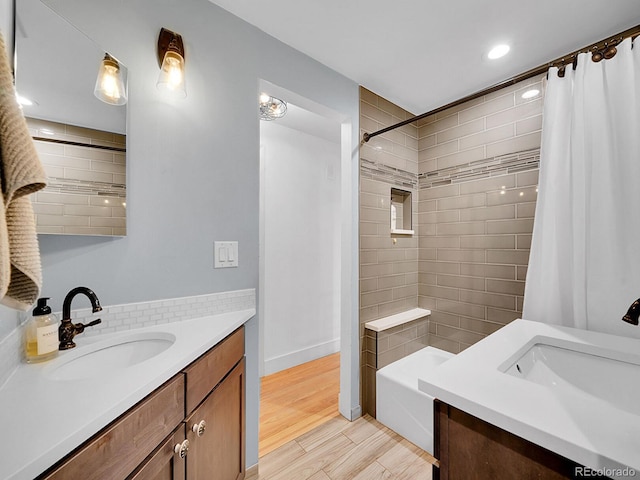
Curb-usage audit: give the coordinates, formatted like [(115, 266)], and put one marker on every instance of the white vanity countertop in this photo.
[(585, 429), (42, 419)]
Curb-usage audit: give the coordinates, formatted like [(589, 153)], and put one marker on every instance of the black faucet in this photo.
[(67, 329), (633, 313)]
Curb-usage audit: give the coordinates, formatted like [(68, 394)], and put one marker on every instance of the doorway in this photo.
[(301, 289)]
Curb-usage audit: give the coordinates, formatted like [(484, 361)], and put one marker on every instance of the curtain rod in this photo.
[(571, 58), (80, 144)]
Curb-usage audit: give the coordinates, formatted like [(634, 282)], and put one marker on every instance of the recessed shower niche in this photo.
[(400, 214)]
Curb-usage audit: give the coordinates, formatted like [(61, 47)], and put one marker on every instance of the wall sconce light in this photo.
[(171, 61), (110, 84), (271, 108)]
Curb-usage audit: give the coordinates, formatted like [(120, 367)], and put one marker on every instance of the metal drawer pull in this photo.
[(182, 448), (199, 428)]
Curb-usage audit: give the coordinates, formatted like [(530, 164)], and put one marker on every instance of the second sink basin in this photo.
[(107, 357), (567, 366)]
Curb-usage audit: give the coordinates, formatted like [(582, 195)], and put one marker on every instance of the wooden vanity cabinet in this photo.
[(468, 447), (141, 444), (215, 399)]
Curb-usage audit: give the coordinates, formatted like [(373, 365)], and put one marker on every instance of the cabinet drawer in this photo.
[(120, 447), (206, 372)]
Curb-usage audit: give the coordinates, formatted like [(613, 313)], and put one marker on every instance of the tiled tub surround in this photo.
[(474, 187), (86, 191), (386, 344), (117, 318), (388, 264), (477, 189)]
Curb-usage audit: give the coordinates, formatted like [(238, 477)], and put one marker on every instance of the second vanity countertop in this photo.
[(45, 419), (577, 425)]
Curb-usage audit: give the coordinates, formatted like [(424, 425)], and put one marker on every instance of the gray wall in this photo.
[(193, 164)]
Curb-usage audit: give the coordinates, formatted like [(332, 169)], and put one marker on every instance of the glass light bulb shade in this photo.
[(110, 84), (171, 78), (272, 108)]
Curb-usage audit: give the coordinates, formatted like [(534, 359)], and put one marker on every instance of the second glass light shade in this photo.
[(110, 83), (171, 78)]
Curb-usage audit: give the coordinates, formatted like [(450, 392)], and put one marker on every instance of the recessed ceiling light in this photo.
[(498, 51), (534, 92)]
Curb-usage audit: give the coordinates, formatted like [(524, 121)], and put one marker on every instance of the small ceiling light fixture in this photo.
[(271, 108), (171, 61), (110, 83), (498, 51), (534, 92)]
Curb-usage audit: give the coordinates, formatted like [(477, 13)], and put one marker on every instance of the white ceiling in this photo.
[(421, 54)]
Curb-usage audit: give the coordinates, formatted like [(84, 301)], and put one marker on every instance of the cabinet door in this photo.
[(164, 463), (216, 447)]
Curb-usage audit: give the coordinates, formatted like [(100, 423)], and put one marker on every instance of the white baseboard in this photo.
[(288, 360)]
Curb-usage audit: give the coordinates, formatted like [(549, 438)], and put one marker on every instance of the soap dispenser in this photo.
[(41, 335)]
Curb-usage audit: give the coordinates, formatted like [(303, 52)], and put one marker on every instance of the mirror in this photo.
[(81, 140)]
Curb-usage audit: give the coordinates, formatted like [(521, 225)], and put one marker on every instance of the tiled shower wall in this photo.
[(388, 264), (86, 190), (474, 192), (478, 180)]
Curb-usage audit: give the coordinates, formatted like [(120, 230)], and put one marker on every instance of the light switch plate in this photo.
[(225, 254)]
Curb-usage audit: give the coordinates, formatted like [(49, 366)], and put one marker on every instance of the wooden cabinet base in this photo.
[(468, 447), (192, 427)]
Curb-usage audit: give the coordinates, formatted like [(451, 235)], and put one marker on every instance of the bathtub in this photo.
[(400, 405)]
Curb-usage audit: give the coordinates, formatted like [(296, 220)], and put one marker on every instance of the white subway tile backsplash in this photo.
[(136, 315), (157, 312)]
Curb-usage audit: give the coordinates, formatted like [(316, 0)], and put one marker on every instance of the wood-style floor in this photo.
[(303, 437), (342, 450), (296, 400)]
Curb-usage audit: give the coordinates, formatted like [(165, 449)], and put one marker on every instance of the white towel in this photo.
[(21, 173)]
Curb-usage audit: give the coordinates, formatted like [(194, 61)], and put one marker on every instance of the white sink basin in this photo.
[(108, 357), (565, 367)]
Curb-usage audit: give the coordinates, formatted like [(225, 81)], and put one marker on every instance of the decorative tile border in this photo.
[(86, 187), (130, 316), (385, 173), (489, 167)]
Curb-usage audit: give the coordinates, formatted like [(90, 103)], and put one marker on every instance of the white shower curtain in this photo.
[(584, 267)]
